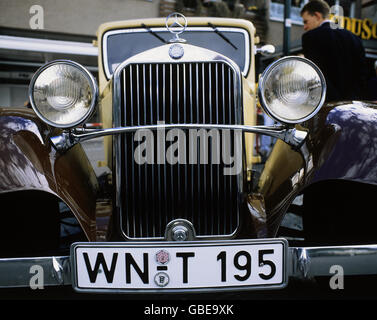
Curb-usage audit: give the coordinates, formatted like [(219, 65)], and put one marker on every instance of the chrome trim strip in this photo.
[(46, 45), (292, 136), (309, 262), (229, 178), (117, 140), (303, 263), (125, 117), (17, 272)]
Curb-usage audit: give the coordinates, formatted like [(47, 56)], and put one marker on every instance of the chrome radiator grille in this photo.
[(155, 194)]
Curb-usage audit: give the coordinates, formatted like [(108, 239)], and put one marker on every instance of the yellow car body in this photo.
[(249, 93)]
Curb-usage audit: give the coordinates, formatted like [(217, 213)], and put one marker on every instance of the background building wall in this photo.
[(75, 16), (84, 16), (78, 20), (275, 33)]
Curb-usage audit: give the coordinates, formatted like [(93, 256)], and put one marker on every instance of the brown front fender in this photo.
[(29, 162), (341, 146)]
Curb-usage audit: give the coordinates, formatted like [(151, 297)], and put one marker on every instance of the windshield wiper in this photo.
[(153, 33), (222, 35)]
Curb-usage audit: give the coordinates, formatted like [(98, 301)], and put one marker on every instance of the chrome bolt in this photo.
[(179, 233)]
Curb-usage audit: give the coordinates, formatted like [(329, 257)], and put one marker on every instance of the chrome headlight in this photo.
[(63, 93), (292, 90)]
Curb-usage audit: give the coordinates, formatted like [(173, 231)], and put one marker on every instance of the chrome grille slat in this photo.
[(184, 121), (197, 121), (230, 117), (153, 174), (204, 167), (133, 203), (191, 217), (140, 206), (124, 76), (178, 117), (218, 168), (145, 191), (224, 119), (196, 192), (160, 204), (171, 121), (164, 117), (210, 167)]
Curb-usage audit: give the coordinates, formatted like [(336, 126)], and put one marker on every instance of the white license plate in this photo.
[(167, 266)]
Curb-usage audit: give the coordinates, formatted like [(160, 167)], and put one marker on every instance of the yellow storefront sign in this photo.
[(364, 28)]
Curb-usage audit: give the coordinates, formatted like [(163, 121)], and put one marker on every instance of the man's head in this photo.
[(314, 13)]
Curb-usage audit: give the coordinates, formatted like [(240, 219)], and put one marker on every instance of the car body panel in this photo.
[(160, 22), (353, 139), (339, 147), (29, 162)]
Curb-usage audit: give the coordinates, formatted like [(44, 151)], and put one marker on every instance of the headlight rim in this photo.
[(261, 86), (92, 83)]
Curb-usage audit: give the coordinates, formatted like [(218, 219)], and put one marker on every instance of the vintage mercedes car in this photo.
[(187, 205)]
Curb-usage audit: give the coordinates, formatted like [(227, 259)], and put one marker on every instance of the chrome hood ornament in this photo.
[(176, 23)]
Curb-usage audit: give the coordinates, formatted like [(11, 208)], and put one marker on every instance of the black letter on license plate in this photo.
[(142, 274), (185, 256), (100, 260)]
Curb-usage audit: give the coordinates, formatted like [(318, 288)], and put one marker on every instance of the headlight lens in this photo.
[(292, 90), (63, 93)]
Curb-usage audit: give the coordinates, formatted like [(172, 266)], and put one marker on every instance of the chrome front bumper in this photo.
[(303, 263)]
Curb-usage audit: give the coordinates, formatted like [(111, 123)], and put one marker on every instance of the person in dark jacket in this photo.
[(337, 52), (372, 84)]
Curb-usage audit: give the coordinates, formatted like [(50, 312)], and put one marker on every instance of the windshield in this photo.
[(119, 45)]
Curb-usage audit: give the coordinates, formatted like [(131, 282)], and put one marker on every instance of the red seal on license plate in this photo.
[(162, 257)]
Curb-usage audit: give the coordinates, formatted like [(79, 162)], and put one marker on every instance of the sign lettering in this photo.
[(365, 29)]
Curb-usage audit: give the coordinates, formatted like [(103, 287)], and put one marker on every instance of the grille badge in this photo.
[(179, 233), (176, 51), (180, 230)]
